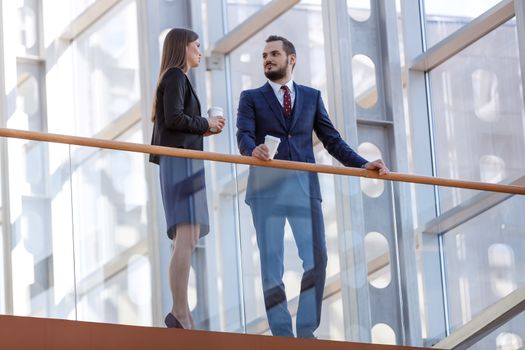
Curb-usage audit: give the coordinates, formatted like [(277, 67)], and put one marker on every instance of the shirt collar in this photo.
[(276, 87)]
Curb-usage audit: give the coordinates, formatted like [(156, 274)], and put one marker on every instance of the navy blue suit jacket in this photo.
[(261, 114)]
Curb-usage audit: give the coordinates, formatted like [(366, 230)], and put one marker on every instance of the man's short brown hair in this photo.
[(288, 47)]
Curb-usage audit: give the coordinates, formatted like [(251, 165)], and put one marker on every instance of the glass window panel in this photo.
[(443, 17), (107, 70), (479, 119)]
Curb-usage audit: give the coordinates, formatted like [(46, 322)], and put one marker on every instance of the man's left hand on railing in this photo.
[(379, 165)]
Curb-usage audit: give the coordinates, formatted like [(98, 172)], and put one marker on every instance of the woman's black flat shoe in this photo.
[(172, 322)]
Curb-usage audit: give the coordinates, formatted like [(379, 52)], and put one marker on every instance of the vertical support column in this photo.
[(354, 285), (405, 240), (425, 200), (8, 82)]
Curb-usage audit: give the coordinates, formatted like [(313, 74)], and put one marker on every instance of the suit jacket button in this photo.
[(289, 136)]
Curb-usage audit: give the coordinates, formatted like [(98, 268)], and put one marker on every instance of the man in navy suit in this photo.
[(291, 112)]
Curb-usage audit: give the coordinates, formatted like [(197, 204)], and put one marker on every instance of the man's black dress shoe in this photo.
[(172, 322)]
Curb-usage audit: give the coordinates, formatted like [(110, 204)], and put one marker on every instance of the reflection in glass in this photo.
[(509, 341), (492, 169), (502, 269), (486, 95)]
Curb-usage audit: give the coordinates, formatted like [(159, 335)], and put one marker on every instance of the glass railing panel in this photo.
[(469, 256), (3, 251), (484, 258), (110, 200), (219, 293), (346, 243), (384, 251), (122, 246), (39, 257)]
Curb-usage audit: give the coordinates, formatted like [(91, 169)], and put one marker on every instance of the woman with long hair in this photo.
[(176, 114)]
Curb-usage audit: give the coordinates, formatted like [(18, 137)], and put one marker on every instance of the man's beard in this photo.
[(276, 74)]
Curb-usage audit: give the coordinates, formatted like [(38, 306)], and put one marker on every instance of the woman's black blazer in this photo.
[(178, 121)]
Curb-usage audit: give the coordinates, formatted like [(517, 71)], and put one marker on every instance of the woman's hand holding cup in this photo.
[(216, 120)]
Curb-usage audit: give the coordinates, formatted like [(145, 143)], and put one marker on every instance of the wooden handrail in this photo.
[(281, 164)]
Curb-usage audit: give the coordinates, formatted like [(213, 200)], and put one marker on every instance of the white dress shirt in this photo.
[(279, 93)]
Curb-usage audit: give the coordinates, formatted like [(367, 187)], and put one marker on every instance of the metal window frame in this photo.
[(251, 26), (463, 37), (87, 18)]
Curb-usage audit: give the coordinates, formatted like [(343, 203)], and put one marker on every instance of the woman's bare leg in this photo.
[(179, 272)]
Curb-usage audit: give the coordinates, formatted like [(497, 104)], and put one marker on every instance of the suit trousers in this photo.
[(304, 214)]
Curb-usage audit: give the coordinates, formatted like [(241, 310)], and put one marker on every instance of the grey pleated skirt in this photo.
[(183, 188)]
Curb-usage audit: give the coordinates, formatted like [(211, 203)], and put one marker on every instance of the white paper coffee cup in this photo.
[(272, 143), (215, 112)]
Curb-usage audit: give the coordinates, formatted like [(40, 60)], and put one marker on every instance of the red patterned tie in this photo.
[(287, 101)]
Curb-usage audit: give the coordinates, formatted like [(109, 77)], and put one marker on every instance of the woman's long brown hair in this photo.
[(173, 55)]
